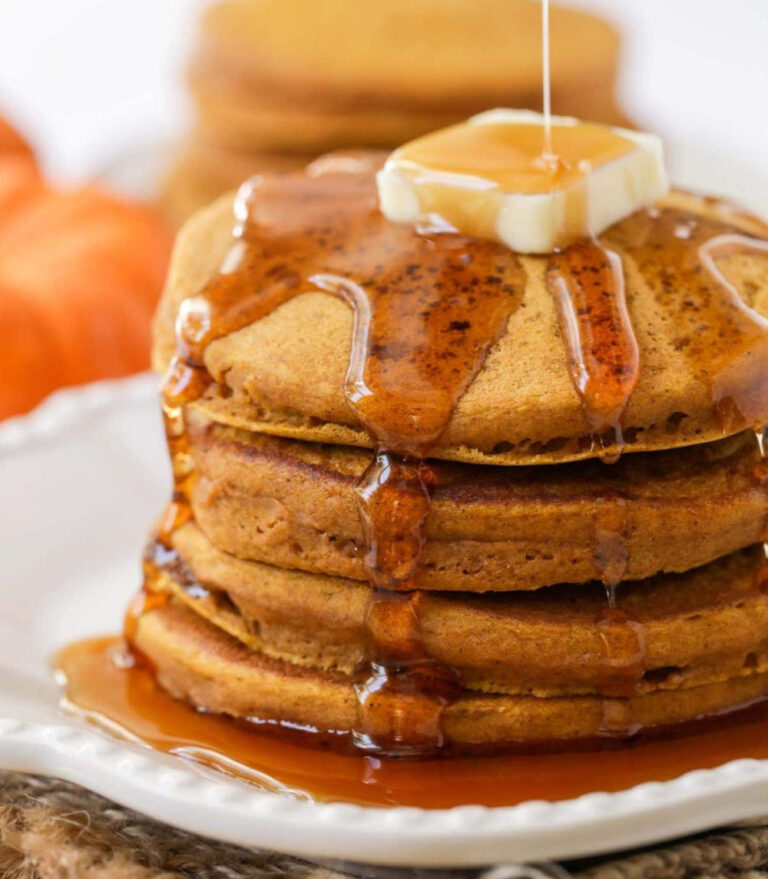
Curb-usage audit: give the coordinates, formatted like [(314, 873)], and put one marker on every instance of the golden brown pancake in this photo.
[(705, 625), (198, 662), (253, 122), (294, 504), (202, 171), (284, 374), (261, 122), (463, 55), (182, 194)]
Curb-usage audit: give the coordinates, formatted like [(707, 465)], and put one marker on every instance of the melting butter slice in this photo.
[(488, 177)]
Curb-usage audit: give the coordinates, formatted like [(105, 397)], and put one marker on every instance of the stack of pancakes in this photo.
[(275, 82), (569, 597)]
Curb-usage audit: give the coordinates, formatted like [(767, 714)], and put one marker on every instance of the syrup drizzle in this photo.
[(586, 281), (414, 352), (734, 334), (726, 341), (401, 690), (546, 87), (622, 637), (426, 309), (145, 600)]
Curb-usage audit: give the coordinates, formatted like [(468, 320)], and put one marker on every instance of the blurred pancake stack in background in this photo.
[(276, 82)]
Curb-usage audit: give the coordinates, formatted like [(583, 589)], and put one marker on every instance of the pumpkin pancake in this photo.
[(257, 121), (196, 661), (294, 504), (262, 122), (181, 194), (254, 122), (703, 346), (705, 625), (459, 56), (227, 168), (202, 171)]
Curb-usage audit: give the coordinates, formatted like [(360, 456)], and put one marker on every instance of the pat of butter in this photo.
[(488, 178)]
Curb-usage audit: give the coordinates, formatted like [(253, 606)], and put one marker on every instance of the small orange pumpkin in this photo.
[(12, 142), (80, 275)]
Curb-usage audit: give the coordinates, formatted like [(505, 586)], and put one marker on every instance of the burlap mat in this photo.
[(54, 830)]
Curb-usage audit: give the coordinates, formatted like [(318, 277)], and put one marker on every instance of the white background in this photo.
[(93, 79)]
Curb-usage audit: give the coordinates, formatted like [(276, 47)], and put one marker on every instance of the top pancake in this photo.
[(429, 53), (700, 348)]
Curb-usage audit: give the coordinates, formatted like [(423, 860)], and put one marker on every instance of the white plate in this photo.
[(82, 477)]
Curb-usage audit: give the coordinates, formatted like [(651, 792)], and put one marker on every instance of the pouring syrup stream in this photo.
[(547, 155)]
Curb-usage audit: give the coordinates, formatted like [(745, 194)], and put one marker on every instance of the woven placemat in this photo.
[(51, 829)]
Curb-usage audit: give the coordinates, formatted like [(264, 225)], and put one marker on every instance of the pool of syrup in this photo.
[(105, 683)]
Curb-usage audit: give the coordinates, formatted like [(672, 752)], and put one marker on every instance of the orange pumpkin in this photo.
[(12, 142), (80, 274)]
